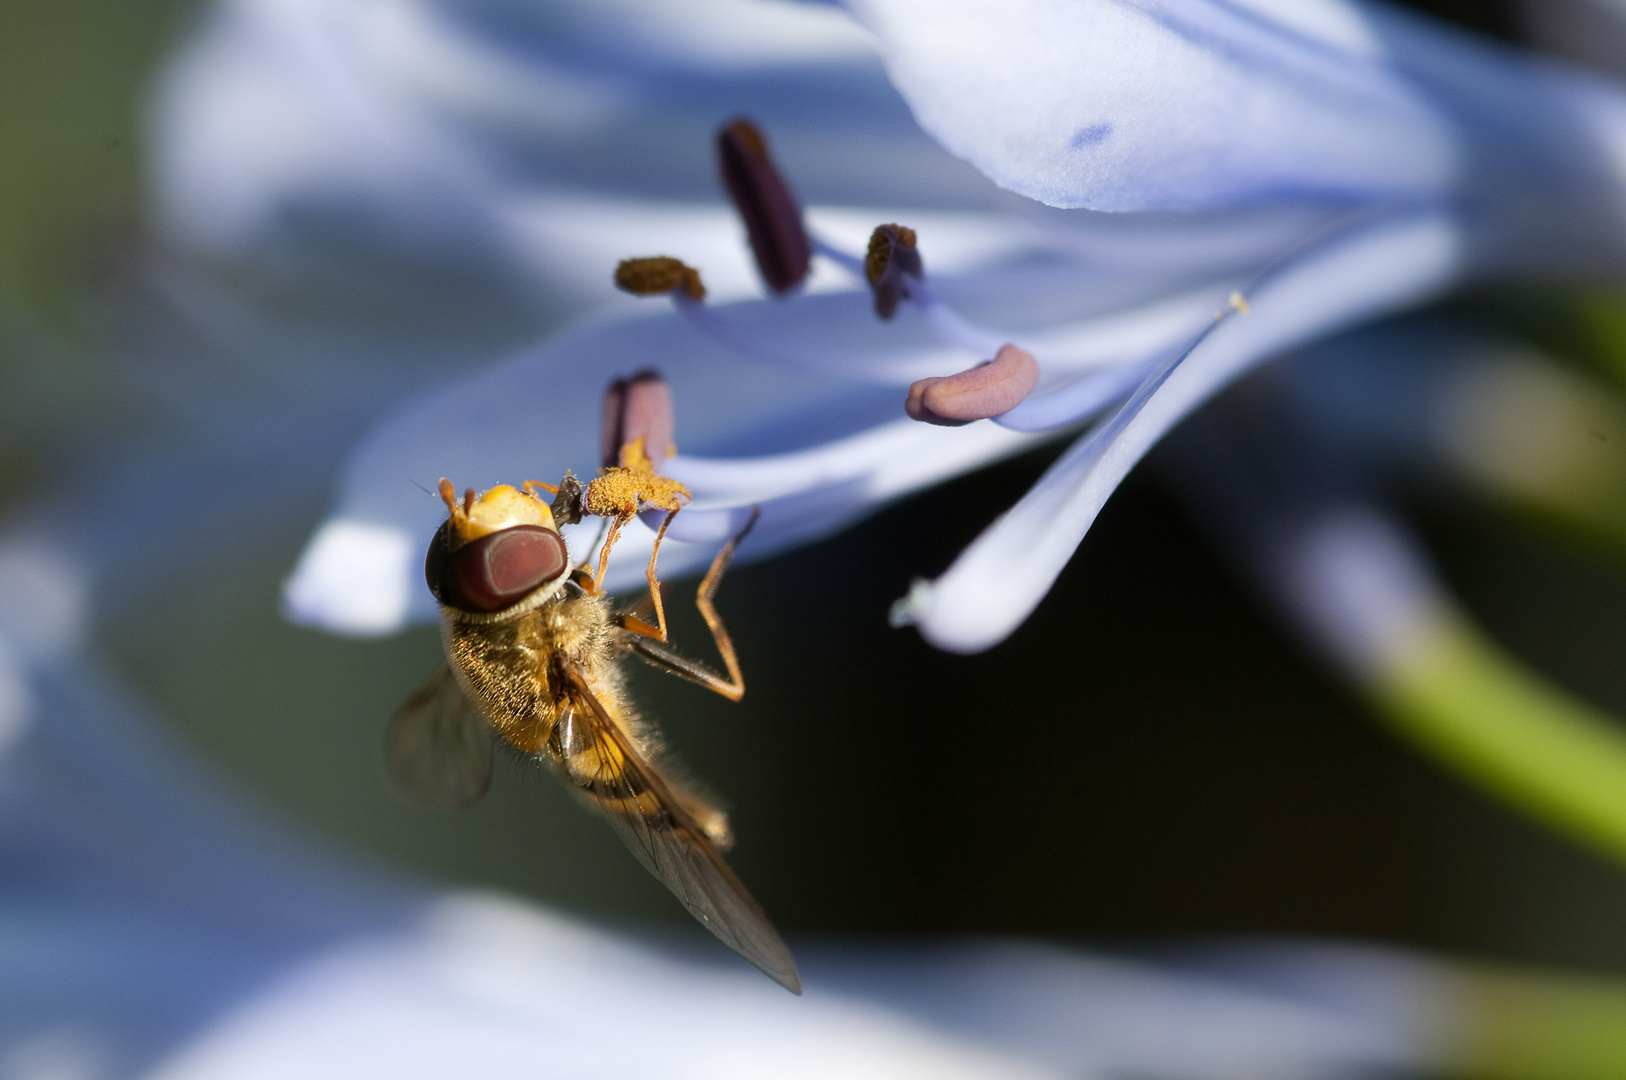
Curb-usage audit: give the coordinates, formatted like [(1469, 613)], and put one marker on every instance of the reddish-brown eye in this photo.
[(499, 570)]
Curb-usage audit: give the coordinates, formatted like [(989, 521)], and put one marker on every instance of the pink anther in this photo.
[(640, 406), (976, 394)]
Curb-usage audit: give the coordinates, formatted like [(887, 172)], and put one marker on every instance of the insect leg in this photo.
[(609, 542), (655, 585), (734, 689), (598, 539), (674, 663)]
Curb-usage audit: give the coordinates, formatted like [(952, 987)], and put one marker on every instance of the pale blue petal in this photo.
[(1168, 104), (997, 582), (814, 452), (816, 444), (320, 136)]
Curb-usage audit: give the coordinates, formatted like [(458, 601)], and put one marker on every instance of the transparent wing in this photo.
[(653, 820), (438, 745)]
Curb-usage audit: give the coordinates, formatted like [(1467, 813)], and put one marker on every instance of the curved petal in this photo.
[(814, 452), (998, 581), (787, 430), (1167, 104)]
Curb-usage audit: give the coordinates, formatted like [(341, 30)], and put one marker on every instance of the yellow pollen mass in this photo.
[(619, 492)]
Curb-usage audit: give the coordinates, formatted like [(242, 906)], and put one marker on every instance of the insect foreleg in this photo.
[(655, 585), (609, 542)]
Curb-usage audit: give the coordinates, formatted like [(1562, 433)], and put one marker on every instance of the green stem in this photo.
[(1469, 703)]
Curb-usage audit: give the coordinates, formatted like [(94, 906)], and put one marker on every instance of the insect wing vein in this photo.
[(438, 745), (651, 820)]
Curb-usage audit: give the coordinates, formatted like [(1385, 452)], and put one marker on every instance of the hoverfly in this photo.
[(534, 648)]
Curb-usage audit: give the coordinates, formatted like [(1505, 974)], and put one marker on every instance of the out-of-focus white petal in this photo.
[(48, 597), (298, 133), (1170, 104), (485, 988), (998, 581), (1362, 589), (354, 578), (16, 703)]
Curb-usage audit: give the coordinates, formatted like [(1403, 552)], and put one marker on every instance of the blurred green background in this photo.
[(1151, 755)]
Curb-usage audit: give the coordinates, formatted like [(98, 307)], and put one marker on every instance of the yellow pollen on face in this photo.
[(500, 508)]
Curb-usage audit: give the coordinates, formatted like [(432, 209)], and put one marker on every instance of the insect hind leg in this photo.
[(675, 663), (649, 642), (708, 610)]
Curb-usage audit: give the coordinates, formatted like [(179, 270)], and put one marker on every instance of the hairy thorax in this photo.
[(511, 667)]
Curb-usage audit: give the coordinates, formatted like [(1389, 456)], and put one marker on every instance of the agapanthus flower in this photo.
[(1179, 164), (156, 932), (1191, 189)]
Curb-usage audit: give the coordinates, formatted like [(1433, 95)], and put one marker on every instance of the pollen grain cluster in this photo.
[(657, 275), (618, 492)]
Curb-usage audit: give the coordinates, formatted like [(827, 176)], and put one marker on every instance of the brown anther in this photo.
[(891, 261), (772, 216), (985, 390), (658, 275), (637, 428)]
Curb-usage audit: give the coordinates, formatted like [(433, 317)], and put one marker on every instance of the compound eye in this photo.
[(434, 561), (499, 570)]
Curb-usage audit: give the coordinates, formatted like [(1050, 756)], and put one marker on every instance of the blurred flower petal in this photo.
[(355, 578)]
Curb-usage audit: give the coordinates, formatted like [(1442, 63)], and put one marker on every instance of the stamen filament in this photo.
[(853, 264), (950, 326), (1082, 345), (956, 329), (885, 366), (1080, 399)]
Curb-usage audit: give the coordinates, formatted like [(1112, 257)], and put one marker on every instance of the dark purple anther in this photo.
[(772, 216), (889, 265), (496, 571)]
